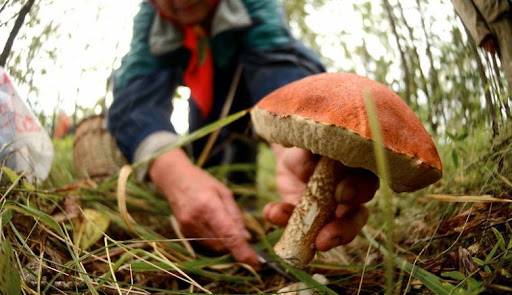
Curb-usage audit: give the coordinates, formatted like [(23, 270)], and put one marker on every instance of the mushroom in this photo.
[(326, 115)]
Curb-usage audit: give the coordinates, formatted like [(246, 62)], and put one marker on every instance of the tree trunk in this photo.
[(424, 81), (405, 66), (15, 30), (434, 77)]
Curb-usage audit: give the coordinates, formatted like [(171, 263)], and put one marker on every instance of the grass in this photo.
[(69, 237), (385, 201)]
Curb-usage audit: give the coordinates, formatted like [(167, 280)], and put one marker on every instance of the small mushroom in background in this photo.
[(326, 115)]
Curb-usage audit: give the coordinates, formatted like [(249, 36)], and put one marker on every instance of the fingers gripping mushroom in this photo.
[(326, 115)]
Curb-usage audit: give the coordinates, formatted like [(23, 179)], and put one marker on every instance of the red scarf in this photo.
[(198, 75)]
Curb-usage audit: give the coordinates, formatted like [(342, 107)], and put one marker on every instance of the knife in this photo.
[(266, 260)]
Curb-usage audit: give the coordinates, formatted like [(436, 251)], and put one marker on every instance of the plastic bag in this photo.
[(24, 144)]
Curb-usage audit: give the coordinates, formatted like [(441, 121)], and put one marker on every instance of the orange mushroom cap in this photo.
[(326, 114)]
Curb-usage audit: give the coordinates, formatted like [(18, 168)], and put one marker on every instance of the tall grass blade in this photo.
[(145, 233), (467, 199), (36, 214), (82, 272), (10, 280), (386, 202), (193, 136), (113, 275), (14, 178), (124, 173), (11, 174)]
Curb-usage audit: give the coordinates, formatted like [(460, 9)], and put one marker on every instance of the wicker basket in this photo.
[(95, 152)]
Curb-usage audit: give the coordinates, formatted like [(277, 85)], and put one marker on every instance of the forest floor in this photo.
[(69, 237)]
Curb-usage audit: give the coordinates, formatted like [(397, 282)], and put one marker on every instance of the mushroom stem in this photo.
[(315, 208)]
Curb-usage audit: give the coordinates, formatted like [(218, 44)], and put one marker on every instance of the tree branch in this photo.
[(4, 6), (15, 30)]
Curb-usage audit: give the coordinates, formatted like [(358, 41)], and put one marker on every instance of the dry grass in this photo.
[(68, 236)]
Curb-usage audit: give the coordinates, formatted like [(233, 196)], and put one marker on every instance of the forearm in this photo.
[(165, 166)]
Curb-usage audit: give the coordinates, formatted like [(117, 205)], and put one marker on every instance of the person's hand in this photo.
[(204, 207), (489, 44), (357, 186)]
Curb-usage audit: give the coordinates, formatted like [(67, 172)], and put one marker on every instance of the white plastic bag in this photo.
[(24, 144)]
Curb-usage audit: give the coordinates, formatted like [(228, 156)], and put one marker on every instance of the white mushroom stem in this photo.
[(315, 208)]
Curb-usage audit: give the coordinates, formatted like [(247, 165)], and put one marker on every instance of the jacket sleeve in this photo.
[(139, 117), (472, 19)]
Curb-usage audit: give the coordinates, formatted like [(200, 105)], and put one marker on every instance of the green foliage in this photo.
[(475, 163), (297, 11), (63, 169), (10, 281), (471, 286)]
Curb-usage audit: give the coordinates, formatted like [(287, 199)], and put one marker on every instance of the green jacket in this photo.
[(261, 21)]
